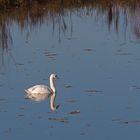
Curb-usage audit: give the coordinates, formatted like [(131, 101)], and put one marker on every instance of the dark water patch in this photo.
[(75, 112), (3, 100), (8, 130), (129, 108), (19, 64), (88, 125), (2, 73), (88, 49), (3, 111), (51, 127), (30, 123), (123, 44), (135, 87), (40, 117), (68, 86), (119, 121), (50, 55), (137, 59), (134, 121), (93, 91), (82, 133), (124, 122), (115, 120), (20, 115), (63, 120), (71, 38), (124, 53), (1, 85), (119, 50)]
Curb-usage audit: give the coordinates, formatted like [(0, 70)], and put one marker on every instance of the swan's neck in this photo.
[(52, 102), (52, 85)]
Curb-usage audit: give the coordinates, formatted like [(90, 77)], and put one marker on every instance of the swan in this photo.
[(42, 92)]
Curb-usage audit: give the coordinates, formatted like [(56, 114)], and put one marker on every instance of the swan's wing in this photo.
[(39, 89)]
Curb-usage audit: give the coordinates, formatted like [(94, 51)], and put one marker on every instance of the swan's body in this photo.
[(38, 92), (42, 92)]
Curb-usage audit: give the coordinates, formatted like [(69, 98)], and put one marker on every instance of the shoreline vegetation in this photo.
[(6, 4), (35, 12)]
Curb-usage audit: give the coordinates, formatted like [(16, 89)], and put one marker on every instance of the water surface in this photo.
[(98, 62)]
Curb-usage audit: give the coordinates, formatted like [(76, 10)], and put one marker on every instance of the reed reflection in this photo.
[(54, 13)]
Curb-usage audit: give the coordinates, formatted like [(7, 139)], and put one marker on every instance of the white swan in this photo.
[(42, 92)]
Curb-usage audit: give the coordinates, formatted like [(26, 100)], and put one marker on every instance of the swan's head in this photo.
[(53, 76)]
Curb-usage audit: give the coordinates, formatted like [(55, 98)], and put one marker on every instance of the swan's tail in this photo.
[(28, 94), (26, 91)]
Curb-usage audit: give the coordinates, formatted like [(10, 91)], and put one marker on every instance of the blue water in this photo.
[(99, 81)]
